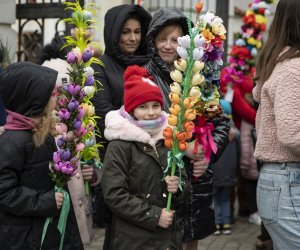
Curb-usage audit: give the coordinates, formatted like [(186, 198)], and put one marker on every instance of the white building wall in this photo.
[(7, 17), (9, 26)]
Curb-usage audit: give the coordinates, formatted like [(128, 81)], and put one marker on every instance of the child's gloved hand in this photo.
[(59, 198), (172, 183), (88, 173), (166, 218)]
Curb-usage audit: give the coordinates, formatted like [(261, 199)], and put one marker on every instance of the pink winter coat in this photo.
[(278, 116), (247, 162)]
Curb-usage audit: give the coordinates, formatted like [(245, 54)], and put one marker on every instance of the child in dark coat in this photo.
[(133, 181), (27, 195)]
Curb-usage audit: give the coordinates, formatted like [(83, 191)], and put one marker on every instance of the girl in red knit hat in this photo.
[(133, 180)]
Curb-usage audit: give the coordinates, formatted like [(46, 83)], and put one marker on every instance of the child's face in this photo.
[(147, 111)]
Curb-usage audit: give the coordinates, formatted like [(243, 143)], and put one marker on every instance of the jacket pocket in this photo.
[(295, 197), (267, 201)]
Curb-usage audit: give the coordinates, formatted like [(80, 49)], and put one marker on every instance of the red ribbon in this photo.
[(204, 137)]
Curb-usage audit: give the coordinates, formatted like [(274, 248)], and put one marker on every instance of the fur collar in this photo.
[(118, 127)]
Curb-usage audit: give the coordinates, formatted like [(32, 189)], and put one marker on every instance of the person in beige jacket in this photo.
[(82, 203), (278, 127)]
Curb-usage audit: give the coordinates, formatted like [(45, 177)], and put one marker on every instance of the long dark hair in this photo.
[(284, 33)]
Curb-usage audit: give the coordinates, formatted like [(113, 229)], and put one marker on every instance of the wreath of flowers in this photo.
[(194, 92), (77, 129), (247, 42)]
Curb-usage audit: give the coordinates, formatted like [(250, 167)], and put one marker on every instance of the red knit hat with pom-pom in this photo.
[(139, 88)]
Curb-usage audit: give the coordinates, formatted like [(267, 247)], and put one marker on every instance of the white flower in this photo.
[(263, 4), (208, 17), (195, 92), (89, 90), (184, 41), (199, 40), (254, 52), (240, 42), (219, 61), (91, 110), (176, 76), (198, 54), (267, 12), (217, 20), (88, 71), (182, 52)]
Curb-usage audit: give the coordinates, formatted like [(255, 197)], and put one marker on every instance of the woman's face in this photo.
[(130, 38), (166, 43)]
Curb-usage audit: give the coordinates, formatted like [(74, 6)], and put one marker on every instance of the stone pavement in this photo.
[(242, 238)]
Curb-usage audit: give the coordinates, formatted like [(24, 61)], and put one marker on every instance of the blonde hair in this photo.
[(44, 123)]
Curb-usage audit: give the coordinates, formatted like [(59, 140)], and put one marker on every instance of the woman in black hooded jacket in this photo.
[(125, 44), (197, 219), (27, 194)]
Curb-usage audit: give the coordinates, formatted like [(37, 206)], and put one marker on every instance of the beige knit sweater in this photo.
[(278, 116)]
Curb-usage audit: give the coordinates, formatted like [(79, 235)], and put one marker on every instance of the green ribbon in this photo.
[(177, 159), (62, 222), (96, 164)]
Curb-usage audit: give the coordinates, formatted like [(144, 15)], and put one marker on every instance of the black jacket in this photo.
[(197, 220), (110, 76), (110, 96), (27, 195), (134, 189)]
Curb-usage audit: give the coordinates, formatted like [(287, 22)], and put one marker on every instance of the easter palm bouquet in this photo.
[(76, 130), (194, 93)]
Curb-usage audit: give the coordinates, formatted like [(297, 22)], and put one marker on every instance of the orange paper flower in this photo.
[(181, 136), (168, 132), (183, 145), (199, 6), (168, 143), (189, 126), (174, 98)]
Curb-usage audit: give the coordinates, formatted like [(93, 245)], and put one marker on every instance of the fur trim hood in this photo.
[(119, 128)]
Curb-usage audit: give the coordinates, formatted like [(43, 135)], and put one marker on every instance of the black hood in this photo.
[(161, 19), (114, 21), (26, 88)]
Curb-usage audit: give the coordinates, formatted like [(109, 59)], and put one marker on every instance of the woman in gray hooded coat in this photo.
[(197, 220)]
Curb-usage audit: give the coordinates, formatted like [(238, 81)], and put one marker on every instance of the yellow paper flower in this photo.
[(208, 35), (174, 109), (260, 19), (176, 75), (198, 66), (254, 42), (172, 120), (174, 98), (197, 79), (180, 64), (218, 29), (189, 102)]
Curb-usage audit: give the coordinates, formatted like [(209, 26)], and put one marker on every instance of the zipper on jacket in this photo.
[(157, 155)]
